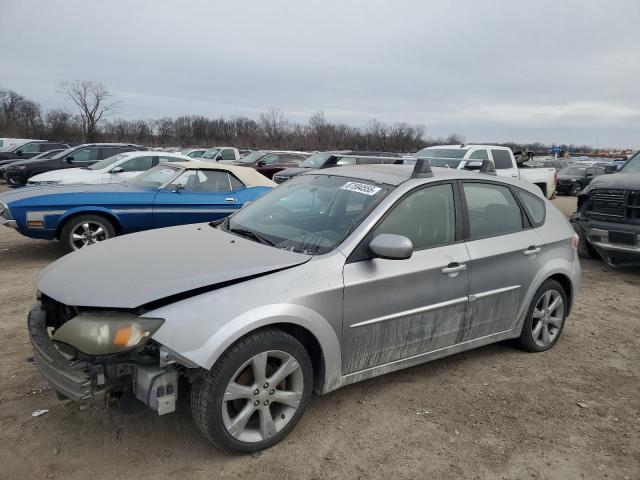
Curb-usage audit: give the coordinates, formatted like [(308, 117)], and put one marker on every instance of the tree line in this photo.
[(95, 107)]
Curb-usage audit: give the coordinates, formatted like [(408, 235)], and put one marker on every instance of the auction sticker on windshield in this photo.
[(360, 188)]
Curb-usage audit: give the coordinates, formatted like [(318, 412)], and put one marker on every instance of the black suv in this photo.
[(336, 159), (18, 173), (31, 149), (608, 216)]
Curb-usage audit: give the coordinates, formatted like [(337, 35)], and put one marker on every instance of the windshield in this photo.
[(253, 157), (310, 214), (210, 154), (441, 153), (573, 171), (106, 162), (155, 177), (632, 165), (316, 160)]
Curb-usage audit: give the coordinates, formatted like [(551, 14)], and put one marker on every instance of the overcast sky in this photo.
[(565, 71)]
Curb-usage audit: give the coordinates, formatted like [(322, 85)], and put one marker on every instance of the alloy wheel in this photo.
[(88, 233), (262, 396), (548, 316)]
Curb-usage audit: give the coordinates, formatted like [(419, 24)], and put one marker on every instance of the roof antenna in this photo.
[(422, 169), (488, 168)]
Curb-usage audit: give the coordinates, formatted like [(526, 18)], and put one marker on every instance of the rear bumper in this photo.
[(73, 380)]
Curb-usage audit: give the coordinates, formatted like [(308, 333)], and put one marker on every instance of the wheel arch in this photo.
[(542, 186), (69, 215), (567, 286), (306, 325), (308, 341)]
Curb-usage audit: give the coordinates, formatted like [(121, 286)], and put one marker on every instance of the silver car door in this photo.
[(503, 251), (396, 309)]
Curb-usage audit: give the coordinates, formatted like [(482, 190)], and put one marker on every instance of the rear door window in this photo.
[(106, 152), (534, 206), (84, 155), (501, 159), (479, 155), (492, 210)]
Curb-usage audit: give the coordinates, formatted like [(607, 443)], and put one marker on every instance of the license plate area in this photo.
[(626, 238)]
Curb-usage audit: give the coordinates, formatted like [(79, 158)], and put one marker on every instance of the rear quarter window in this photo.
[(534, 206)]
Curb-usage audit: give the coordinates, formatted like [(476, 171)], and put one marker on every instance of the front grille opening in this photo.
[(614, 205)]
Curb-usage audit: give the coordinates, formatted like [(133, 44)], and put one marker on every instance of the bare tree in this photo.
[(94, 102)]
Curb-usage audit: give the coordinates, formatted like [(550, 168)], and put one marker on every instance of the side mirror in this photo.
[(177, 188), (117, 170), (610, 169), (19, 153), (69, 159), (391, 247), (261, 163)]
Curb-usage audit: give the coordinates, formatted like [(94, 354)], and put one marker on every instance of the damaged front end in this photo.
[(608, 221), (94, 357)]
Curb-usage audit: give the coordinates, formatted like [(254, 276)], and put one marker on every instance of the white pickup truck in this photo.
[(471, 157)]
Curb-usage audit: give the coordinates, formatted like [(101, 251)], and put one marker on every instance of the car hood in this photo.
[(615, 181), (134, 270), (292, 172), (64, 174), (38, 191), (569, 177)]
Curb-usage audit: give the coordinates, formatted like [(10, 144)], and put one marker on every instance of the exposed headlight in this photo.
[(18, 167), (104, 333)]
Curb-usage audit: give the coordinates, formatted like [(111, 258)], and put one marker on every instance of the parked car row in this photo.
[(174, 193), (336, 276), (18, 173)]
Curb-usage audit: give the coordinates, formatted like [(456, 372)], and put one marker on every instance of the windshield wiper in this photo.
[(250, 234)]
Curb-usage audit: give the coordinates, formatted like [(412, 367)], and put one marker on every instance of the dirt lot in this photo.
[(573, 412)]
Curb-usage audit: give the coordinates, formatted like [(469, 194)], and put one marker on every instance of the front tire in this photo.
[(83, 230), (576, 188), (545, 318), (585, 250), (255, 394)]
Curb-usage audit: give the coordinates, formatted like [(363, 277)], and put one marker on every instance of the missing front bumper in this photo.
[(73, 380), (85, 382)]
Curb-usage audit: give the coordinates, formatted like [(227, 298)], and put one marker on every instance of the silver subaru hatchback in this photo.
[(336, 276)]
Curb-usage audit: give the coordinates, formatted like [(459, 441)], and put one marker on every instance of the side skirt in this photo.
[(427, 357)]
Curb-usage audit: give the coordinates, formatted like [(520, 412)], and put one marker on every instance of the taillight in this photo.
[(574, 241)]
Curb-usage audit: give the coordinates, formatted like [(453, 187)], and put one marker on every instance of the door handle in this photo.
[(514, 175), (532, 250), (453, 269), (230, 200)]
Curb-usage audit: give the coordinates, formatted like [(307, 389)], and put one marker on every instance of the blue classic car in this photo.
[(175, 194)]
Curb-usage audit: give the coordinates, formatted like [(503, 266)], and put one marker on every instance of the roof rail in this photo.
[(422, 169)]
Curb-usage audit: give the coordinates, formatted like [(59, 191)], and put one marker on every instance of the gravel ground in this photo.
[(495, 412)]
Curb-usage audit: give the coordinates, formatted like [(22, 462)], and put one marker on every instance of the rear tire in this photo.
[(545, 318), (83, 230), (228, 403)]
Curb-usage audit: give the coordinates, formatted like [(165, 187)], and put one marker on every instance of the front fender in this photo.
[(230, 332)]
